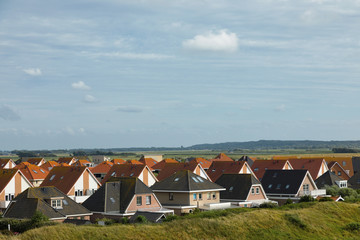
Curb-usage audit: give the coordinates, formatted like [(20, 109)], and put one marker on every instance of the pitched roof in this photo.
[(5, 176), (35, 161), (148, 162), (63, 177), (345, 162), (33, 199), (49, 164), (160, 165), (222, 157), (66, 160), (185, 181), (218, 168), (124, 170), (354, 181), (260, 166), (81, 162), (102, 167), (329, 178), (118, 161), (283, 181), (205, 164), (31, 171), (171, 168), (313, 165), (4, 161), (237, 185), (154, 217), (334, 164), (133, 161), (116, 195)]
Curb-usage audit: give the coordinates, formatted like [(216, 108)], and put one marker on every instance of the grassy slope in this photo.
[(323, 221)]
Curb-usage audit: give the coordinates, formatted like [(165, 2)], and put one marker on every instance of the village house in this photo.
[(345, 162), (222, 157), (33, 173), (7, 163), (83, 162), (67, 160), (150, 162), (204, 163), (122, 197), (185, 191), (260, 166), (76, 182), (219, 168), (49, 165), (101, 170), (316, 166), (12, 183), (140, 171), (160, 165), (50, 201), (242, 190), (156, 157), (36, 161), (280, 185), (330, 179), (338, 170), (97, 159), (118, 161), (171, 168)]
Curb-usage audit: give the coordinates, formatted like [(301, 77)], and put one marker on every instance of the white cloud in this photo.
[(33, 71), (80, 85), (221, 41), (129, 109), (7, 113), (141, 56), (90, 99)]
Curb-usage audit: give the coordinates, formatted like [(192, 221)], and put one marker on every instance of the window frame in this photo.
[(148, 200), (138, 200)]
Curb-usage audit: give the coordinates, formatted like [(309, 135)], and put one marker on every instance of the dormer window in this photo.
[(34, 171), (176, 179), (56, 203), (256, 169), (52, 177)]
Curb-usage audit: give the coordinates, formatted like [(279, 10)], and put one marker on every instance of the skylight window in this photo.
[(65, 202), (231, 188), (122, 175), (213, 170), (62, 177), (278, 186), (287, 186), (35, 171), (256, 169), (195, 179), (176, 179), (113, 174), (200, 179), (132, 174), (52, 177), (112, 200), (270, 186), (42, 170)]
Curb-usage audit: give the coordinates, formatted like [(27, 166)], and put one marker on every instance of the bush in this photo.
[(295, 220), (326, 199), (141, 219), (124, 220), (268, 205), (288, 201), (307, 198), (106, 221), (353, 226), (170, 218)]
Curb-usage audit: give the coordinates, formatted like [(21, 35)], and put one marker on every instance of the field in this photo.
[(326, 220)]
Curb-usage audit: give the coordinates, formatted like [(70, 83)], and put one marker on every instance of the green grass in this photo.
[(324, 220)]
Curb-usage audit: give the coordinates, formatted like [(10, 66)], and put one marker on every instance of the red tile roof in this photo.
[(4, 161), (67, 160), (222, 157), (171, 168), (118, 161), (313, 165), (124, 170), (102, 167), (81, 162), (133, 161), (160, 165), (260, 166), (31, 171), (5, 176), (35, 161), (333, 164), (345, 162), (63, 177), (218, 168), (205, 164), (49, 165), (150, 162)]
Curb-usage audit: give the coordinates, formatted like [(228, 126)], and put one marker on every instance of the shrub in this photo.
[(268, 205), (170, 218), (326, 199), (141, 219), (288, 201), (355, 226), (307, 198), (124, 220), (295, 220), (106, 221)]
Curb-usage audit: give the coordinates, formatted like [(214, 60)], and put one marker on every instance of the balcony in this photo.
[(313, 193), (79, 199)]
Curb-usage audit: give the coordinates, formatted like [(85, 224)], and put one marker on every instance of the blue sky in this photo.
[(97, 73)]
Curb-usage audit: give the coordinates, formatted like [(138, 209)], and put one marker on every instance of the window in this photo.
[(257, 190), (52, 177), (112, 200), (42, 170), (113, 174), (339, 173), (139, 201), (193, 178), (344, 163), (209, 196), (194, 196), (231, 189), (256, 169), (278, 186), (287, 186), (214, 195), (65, 202), (200, 179), (56, 203), (148, 200), (171, 196), (176, 179), (252, 190), (270, 186), (200, 196), (132, 174), (34, 171), (306, 187)]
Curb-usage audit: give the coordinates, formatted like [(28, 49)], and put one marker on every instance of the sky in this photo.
[(159, 73)]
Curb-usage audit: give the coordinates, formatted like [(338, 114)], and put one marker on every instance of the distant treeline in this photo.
[(345, 150)]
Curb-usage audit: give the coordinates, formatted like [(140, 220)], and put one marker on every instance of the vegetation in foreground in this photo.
[(321, 220)]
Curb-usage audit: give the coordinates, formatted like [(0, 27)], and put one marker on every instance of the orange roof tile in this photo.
[(63, 177), (148, 162), (160, 165), (171, 168), (36, 161), (67, 160), (124, 170), (5, 176), (218, 168), (49, 165), (102, 167), (118, 161), (222, 157), (205, 164), (260, 166), (313, 165), (133, 161), (31, 171), (81, 162)]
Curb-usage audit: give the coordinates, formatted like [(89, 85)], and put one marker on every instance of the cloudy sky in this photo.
[(138, 73)]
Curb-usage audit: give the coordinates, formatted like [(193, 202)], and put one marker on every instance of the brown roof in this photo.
[(345, 162), (150, 162), (260, 166), (4, 161), (205, 164), (171, 168), (124, 170), (102, 167), (66, 160), (133, 161), (160, 165), (5, 176), (35, 161), (218, 168), (222, 157), (81, 162), (118, 161), (49, 164), (334, 164), (63, 177), (313, 165), (31, 171)]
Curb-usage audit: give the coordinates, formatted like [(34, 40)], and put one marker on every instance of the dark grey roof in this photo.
[(154, 217), (33, 199), (356, 164), (329, 178), (247, 159), (354, 181), (282, 181), (237, 185), (185, 181), (115, 195)]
